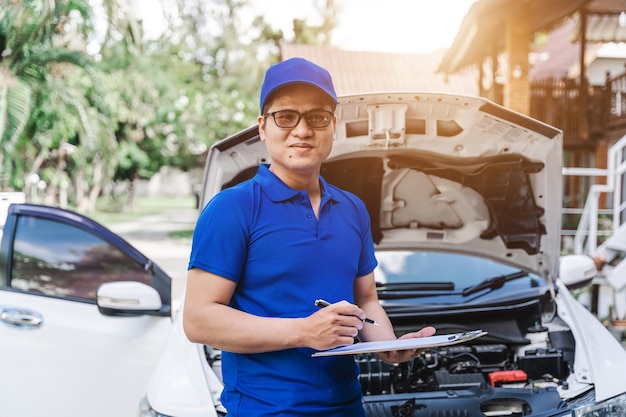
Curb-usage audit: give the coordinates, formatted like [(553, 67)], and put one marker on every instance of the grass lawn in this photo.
[(109, 213)]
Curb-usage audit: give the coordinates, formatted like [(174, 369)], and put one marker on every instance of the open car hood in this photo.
[(436, 171)]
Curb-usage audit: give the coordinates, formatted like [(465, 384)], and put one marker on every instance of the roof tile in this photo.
[(359, 71)]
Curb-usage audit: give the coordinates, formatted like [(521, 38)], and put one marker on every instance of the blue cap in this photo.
[(294, 71)]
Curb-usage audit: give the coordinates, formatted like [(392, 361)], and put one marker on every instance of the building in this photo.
[(549, 59)]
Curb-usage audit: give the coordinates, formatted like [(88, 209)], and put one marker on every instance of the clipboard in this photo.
[(403, 344)]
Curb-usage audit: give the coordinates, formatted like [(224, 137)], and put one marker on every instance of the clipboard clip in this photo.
[(459, 337)]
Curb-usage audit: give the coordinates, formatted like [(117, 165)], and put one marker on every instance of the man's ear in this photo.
[(261, 122)]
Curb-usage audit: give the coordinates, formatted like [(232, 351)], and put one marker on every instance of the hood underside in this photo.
[(436, 171)]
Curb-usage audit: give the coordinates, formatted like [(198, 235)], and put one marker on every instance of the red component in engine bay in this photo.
[(507, 376)]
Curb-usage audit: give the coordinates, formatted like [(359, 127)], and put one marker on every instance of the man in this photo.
[(265, 250)]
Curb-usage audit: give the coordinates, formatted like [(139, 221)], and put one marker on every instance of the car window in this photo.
[(422, 266), (63, 260)]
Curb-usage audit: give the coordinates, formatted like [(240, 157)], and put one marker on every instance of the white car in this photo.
[(84, 317), (464, 198)]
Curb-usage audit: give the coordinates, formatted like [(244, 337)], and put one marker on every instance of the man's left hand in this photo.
[(398, 356)]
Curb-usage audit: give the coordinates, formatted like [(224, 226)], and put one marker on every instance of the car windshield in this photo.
[(405, 274)]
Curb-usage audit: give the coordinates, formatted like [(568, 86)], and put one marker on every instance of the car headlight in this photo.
[(613, 407), (145, 409)]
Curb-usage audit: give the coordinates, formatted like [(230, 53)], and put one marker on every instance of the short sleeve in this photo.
[(220, 238)]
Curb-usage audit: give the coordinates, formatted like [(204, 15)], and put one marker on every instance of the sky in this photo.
[(399, 26)]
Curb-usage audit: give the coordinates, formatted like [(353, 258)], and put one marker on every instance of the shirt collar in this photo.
[(278, 191)]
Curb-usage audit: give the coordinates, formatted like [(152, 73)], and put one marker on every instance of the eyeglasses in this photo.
[(291, 118)]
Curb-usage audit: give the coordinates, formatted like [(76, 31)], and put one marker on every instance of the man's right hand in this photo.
[(333, 326)]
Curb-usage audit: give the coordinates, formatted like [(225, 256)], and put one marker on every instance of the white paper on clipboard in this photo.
[(403, 344)]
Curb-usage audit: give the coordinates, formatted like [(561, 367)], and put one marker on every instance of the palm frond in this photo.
[(15, 107), (38, 58), (93, 132)]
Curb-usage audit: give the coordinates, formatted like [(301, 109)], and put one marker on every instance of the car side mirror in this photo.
[(127, 298), (576, 270)]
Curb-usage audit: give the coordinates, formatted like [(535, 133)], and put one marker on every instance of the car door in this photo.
[(59, 354)]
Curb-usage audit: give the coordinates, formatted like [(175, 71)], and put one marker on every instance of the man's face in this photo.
[(300, 149)]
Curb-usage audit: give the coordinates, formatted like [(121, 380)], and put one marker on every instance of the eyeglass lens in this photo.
[(291, 118)]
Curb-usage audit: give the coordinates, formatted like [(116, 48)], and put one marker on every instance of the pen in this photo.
[(323, 303)]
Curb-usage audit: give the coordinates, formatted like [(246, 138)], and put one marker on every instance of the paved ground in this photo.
[(151, 235)]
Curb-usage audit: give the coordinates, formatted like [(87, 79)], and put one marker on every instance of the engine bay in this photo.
[(475, 378)]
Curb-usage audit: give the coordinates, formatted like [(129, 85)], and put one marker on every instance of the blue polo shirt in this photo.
[(264, 236)]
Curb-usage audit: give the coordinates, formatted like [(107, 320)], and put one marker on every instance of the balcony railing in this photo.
[(616, 89), (594, 203), (583, 114)]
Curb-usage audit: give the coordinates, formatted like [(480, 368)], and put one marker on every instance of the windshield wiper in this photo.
[(415, 286), (493, 283), (399, 290)]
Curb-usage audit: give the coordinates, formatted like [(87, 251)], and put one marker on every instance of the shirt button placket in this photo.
[(309, 210)]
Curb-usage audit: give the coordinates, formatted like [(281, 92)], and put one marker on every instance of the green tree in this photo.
[(79, 120), (317, 34), (27, 53), (47, 119), (192, 97)]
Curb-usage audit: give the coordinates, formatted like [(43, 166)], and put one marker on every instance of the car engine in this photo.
[(476, 378)]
